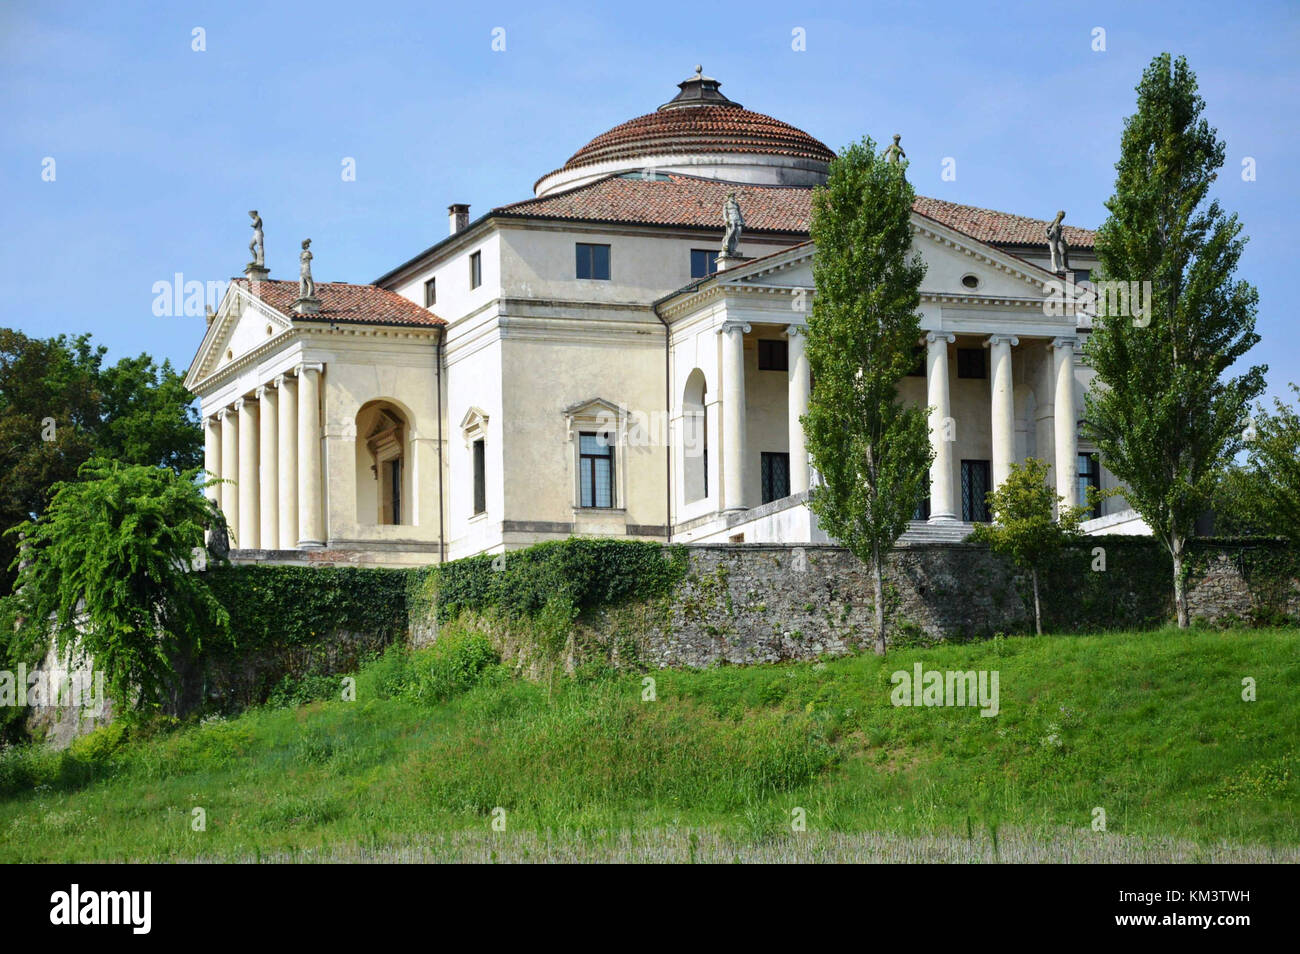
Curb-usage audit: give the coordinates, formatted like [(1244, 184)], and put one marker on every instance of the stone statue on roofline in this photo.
[(733, 223), (306, 286), (1056, 243), (895, 152), (257, 247)]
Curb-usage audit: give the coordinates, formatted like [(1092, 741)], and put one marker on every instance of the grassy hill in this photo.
[(1151, 727)]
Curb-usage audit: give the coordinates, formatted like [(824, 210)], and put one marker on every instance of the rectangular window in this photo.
[(430, 293), (773, 355), (480, 477), (776, 476), (1089, 476), (593, 261), (970, 363), (974, 491), (1082, 275), (704, 262), (595, 470), (475, 270), (922, 511)]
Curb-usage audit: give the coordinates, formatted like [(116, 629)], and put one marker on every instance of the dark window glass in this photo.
[(1089, 476), (395, 489), (1082, 275), (773, 355), (974, 491), (430, 292), (480, 477), (922, 511), (593, 261), (970, 363), (918, 362), (704, 262), (475, 270), (776, 476), (595, 470)]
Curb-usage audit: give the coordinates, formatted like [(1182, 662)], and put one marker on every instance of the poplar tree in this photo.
[(1165, 414), (872, 452)]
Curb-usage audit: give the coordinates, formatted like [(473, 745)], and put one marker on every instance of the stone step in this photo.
[(919, 531)]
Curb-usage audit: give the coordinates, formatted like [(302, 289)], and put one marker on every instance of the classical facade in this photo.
[(584, 362)]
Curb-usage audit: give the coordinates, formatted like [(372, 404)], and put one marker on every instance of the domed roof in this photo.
[(699, 121)]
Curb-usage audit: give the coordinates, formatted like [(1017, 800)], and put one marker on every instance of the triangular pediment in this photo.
[(242, 325)]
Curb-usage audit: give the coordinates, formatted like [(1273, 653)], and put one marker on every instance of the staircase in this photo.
[(919, 531)]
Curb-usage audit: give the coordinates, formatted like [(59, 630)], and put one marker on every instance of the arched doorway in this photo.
[(695, 439), (384, 485)]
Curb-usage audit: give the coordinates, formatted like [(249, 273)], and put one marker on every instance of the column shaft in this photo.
[(797, 403), (311, 531), (943, 429), (287, 471), (230, 471), (269, 458), (733, 414), (248, 518), (1004, 408), (1064, 425)]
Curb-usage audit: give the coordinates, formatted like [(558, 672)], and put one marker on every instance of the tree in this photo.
[(871, 450), (1262, 496), (1024, 528), (1165, 416), (59, 406), (107, 567)]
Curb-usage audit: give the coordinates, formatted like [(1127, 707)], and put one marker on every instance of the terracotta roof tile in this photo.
[(342, 302), (689, 201)]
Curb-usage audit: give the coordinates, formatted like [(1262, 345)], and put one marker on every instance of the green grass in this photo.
[(1149, 726)]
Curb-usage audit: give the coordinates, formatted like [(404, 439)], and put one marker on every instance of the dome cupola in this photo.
[(698, 132)]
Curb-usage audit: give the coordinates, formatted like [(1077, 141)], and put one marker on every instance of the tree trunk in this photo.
[(1180, 594), (878, 584), (1038, 613)]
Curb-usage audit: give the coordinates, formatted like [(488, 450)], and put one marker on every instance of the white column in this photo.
[(797, 404), (1004, 407), (1065, 432), (248, 519), (287, 471), (733, 414), (268, 455), (230, 470), (212, 455), (311, 525), (943, 429)]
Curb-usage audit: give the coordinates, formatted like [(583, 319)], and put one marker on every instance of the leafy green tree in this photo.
[(1165, 415), (1031, 523), (107, 566), (871, 450), (1262, 496), (59, 406)]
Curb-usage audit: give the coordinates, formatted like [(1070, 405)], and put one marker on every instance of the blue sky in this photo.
[(160, 151)]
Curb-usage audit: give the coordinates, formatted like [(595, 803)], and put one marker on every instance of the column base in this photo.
[(943, 518), (311, 544)]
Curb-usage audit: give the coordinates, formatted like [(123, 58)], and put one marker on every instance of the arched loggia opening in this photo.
[(695, 439), (384, 485)]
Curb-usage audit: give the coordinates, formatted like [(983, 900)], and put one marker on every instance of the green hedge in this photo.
[(584, 573)]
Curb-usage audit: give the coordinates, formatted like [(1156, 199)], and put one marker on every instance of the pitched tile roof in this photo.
[(342, 302), (683, 200), (998, 228)]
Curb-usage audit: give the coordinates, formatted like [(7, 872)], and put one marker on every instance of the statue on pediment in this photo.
[(1056, 243), (257, 247), (734, 224), (306, 286)]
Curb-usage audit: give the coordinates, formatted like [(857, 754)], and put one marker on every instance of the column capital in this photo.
[(1002, 339), (279, 379), (734, 324), (316, 366), (260, 390), (239, 404), (1066, 342), (932, 336), (795, 329)]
